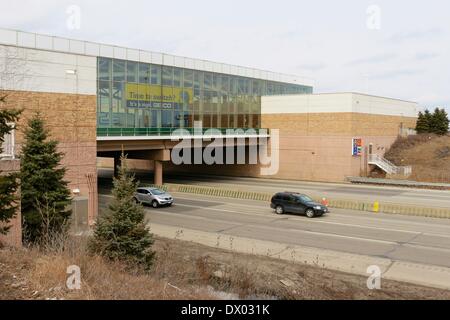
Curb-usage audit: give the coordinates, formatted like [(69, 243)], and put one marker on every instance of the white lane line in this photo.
[(328, 235), (238, 225), (419, 246), (403, 192), (165, 212), (312, 221), (356, 215), (280, 229), (316, 221), (437, 222), (312, 232)]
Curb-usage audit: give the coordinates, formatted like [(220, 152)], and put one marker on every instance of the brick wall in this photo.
[(317, 147), (72, 121)]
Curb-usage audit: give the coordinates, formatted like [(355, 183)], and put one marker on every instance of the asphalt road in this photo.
[(421, 197), (401, 238), (398, 195)]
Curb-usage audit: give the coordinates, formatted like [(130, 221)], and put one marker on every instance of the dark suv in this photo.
[(293, 202)]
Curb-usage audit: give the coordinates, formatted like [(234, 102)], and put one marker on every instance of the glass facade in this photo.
[(141, 95)]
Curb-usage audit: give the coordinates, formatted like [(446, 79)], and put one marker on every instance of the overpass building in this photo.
[(99, 99)]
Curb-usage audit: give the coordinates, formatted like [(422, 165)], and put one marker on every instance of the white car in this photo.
[(153, 196)]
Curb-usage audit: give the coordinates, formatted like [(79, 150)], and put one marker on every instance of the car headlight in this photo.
[(318, 208)]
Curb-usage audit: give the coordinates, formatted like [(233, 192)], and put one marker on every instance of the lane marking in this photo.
[(283, 229), (397, 245), (408, 192), (420, 246), (332, 235), (292, 218), (320, 221)]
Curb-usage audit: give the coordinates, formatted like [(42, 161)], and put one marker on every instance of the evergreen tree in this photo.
[(8, 183), (428, 121), (446, 121), (436, 122), (121, 234), (42, 184), (422, 125), (440, 121)]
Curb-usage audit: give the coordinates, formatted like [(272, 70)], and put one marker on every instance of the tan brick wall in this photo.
[(71, 120), (317, 147), (379, 125), (14, 236), (309, 123), (336, 124)]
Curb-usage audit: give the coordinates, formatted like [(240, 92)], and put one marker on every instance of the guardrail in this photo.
[(140, 132)]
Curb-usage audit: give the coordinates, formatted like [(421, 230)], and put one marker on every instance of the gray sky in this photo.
[(398, 49)]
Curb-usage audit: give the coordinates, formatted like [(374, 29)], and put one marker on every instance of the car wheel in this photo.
[(310, 213), (155, 204), (136, 200), (279, 209)]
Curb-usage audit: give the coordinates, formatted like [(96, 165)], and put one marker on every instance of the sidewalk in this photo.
[(426, 275)]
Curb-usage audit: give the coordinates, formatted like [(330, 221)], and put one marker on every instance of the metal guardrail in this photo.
[(142, 132), (388, 166)]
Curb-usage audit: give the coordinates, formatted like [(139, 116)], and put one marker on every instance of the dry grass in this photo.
[(428, 154), (183, 270), (45, 274)]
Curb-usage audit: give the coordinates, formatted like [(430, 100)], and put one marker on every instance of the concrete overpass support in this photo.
[(158, 156), (158, 174), (116, 164)]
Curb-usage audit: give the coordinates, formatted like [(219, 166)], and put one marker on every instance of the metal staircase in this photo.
[(388, 166)]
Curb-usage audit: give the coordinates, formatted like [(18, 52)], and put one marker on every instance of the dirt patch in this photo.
[(428, 154), (264, 276), (185, 270)]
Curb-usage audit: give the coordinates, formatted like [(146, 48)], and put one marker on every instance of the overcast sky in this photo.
[(398, 48)]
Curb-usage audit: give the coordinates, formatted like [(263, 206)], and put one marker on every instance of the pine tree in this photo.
[(121, 234), (428, 121), (446, 122), (8, 183), (421, 125), (42, 184), (440, 122)]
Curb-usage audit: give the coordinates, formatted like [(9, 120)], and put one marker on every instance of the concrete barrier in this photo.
[(390, 208)]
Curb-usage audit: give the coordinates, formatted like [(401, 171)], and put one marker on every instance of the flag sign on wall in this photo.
[(357, 147)]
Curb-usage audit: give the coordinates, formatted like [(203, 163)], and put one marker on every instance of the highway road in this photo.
[(397, 237), (399, 195), (347, 191)]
